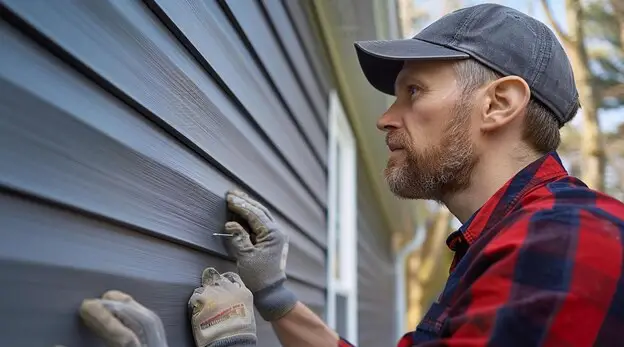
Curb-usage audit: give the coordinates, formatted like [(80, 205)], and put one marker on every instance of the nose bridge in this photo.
[(389, 120)]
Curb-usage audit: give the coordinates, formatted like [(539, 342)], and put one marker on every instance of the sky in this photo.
[(609, 119)]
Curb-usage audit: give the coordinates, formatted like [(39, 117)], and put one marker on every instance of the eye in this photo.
[(413, 90)]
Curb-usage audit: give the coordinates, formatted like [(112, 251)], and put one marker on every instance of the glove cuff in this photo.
[(235, 341), (274, 301)]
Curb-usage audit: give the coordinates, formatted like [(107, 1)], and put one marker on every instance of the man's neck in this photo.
[(488, 176)]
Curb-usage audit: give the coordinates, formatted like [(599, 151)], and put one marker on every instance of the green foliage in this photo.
[(603, 34)]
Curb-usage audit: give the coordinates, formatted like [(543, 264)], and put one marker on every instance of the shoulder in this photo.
[(561, 223), (558, 239), (566, 210)]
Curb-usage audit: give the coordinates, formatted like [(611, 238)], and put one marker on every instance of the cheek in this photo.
[(426, 123)]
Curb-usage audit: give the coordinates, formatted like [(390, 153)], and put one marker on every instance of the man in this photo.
[(480, 97)]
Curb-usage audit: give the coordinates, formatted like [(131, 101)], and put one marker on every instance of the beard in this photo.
[(438, 171)]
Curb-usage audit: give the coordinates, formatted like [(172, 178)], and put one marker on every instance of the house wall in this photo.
[(376, 276), (122, 125)]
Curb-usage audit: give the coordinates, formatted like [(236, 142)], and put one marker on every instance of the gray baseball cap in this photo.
[(504, 39)]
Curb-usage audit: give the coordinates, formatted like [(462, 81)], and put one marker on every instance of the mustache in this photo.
[(396, 139)]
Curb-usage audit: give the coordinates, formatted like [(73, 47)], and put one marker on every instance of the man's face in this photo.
[(432, 151)]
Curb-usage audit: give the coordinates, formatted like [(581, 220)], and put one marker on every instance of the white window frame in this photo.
[(340, 134)]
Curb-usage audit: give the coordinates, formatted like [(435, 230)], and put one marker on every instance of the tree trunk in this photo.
[(427, 268), (406, 16), (592, 147), (618, 10)]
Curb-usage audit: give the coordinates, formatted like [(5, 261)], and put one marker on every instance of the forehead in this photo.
[(429, 72)]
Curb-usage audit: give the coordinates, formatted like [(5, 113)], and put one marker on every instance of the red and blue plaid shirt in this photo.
[(540, 264)]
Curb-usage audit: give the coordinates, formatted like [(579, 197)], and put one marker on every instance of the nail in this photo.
[(220, 234)]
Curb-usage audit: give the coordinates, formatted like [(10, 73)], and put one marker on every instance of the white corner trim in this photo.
[(342, 197)]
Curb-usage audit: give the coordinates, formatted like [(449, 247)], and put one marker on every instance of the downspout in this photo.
[(400, 277)]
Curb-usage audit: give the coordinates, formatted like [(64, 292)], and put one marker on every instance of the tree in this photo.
[(427, 268), (604, 23), (618, 12), (615, 155), (411, 17), (592, 148)]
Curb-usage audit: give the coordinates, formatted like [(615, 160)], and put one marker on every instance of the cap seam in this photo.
[(461, 31), (545, 56), (541, 54)]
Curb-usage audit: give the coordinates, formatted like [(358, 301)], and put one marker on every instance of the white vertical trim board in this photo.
[(342, 219)]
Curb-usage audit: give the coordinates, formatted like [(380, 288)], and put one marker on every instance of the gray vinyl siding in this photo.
[(122, 125), (375, 271)]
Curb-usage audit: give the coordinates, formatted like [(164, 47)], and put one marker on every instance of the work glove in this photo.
[(222, 311), (122, 322), (261, 264)]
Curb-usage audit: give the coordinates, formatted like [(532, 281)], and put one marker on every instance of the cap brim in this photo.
[(381, 61)]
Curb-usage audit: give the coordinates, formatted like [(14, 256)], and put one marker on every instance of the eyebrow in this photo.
[(403, 79)]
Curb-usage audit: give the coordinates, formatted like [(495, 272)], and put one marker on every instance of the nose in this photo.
[(389, 120)]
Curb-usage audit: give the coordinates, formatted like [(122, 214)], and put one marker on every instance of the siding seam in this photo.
[(291, 65), (55, 204), (252, 52), (188, 45), (29, 31), (305, 49)]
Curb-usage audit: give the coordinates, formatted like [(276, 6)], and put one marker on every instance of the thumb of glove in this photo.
[(240, 243)]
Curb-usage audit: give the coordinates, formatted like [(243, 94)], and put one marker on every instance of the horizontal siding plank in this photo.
[(249, 16), (375, 293), (76, 257), (311, 38), (376, 277), (126, 46), (226, 54), (300, 59), (88, 150)]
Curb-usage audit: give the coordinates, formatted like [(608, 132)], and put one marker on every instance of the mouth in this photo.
[(394, 148), (393, 145)]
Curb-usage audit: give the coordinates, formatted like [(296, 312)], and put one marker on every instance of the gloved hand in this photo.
[(222, 311), (261, 264), (123, 322)]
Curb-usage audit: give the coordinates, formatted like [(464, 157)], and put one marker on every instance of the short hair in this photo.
[(541, 130)]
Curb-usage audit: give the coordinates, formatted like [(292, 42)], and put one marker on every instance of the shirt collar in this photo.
[(538, 173)]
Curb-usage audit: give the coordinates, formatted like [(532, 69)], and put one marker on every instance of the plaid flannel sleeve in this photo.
[(549, 279), (406, 341), (344, 343)]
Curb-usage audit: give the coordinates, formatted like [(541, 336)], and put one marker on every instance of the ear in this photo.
[(506, 100)]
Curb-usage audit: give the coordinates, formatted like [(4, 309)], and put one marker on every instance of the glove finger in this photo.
[(252, 202), (215, 283), (129, 315), (210, 276), (116, 295), (104, 324), (257, 219), (212, 279), (234, 278), (196, 301), (140, 312), (204, 298), (240, 242)]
